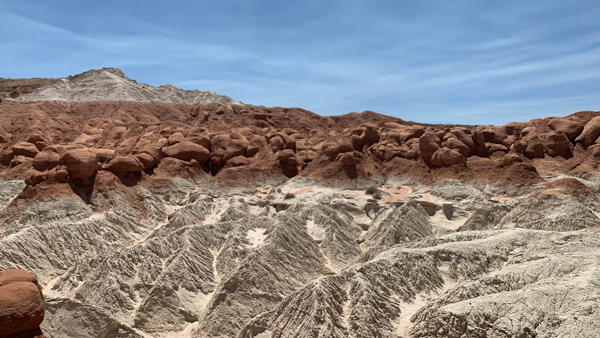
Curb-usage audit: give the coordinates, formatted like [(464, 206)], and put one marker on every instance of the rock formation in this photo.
[(21, 304), (156, 212)]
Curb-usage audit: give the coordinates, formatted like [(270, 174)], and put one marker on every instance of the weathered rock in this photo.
[(515, 128), (255, 143), (104, 155), (493, 147), (81, 163), (21, 302), (25, 148), (287, 156), (146, 160), (123, 164), (448, 210), (187, 151), (509, 159), (176, 138), (154, 151), (535, 149), (34, 177), (557, 144), (238, 161), (343, 145), (429, 143), (570, 128), (370, 135), (347, 159), (465, 139), (454, 143), (45, 160), (445, 157), (237, 146), (497, 135), (590, 133)]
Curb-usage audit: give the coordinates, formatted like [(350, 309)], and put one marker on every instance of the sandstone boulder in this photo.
[(176, 138), (200, 138), (412, 132), (590, 133), (497, 135), (146, 160), (124, 164), (18, 160), (21, 302), (347, 159), (34, 177), (515, 128), (465, 139), (282, 141), (413, 150), (570, 128), (104, 155), (453, 142), (187, 151), (237, 146), (238, 161), (357, 142), (255, 143), (343, 145), (81, 163), (429, 143), (154, 151), (534, 149), (557, 144), (493, 148), (25, 148), (370, 134), (57, 175), (287, 156), (508, 159), (45, 160), (445, 157)]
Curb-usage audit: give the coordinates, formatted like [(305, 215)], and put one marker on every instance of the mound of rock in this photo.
[(110, 84), (21, 304)]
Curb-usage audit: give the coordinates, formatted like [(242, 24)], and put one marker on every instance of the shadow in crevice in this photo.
[(351, 171), (83, 187), (289, 170), (129, 179)]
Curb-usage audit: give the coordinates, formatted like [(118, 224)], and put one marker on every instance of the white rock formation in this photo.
[(110, 84), (330, 262)]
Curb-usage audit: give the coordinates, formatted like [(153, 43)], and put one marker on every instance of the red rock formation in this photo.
[(21, 304), (80, 163), (137, 137)]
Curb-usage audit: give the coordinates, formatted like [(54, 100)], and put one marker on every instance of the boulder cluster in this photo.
[(21, 304), (138, 142)]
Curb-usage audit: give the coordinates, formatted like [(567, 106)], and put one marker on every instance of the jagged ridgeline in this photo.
[(158, 212)]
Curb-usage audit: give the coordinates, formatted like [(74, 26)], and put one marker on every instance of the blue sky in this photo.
[(475, 62)]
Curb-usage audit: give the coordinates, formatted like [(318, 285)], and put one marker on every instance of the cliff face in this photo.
[(153, 211)]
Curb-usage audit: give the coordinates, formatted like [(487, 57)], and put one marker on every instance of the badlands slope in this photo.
[(156, 212)]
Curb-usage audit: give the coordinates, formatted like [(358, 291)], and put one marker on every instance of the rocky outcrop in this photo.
[(21, 304), (187, 151), (110, 84), (123, 164), (80, 163)]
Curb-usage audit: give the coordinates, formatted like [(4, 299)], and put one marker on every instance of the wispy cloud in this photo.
[(462, 62)]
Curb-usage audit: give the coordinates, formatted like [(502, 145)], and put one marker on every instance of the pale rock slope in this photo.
[(234, 262), (110, 84)]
